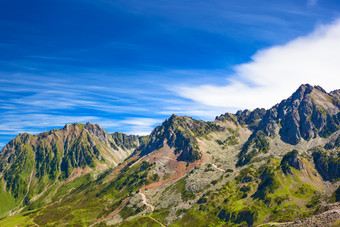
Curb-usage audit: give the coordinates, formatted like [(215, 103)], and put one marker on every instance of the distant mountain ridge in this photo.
[(279, 165), (30, 163)]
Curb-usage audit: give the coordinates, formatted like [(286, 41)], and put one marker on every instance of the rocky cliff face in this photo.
[(179, 133), (309, 113), (327, 164), (327, 159), (127, 142), (291, 159), (246, 118), (250, 118)]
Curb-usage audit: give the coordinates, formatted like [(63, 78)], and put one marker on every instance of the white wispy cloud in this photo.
[(131, 125), (18, 123), (140, 121), (274, 73), (35, 104), (37, 123), (140, 126)]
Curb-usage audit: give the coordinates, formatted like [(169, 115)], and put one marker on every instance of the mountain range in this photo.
[(279, 166)]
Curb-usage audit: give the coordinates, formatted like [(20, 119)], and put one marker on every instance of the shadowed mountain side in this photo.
[(309, 113)]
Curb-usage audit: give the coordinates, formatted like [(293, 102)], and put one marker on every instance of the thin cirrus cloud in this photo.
[(140, 126), (35, 123), (274, 73), (35, 107)]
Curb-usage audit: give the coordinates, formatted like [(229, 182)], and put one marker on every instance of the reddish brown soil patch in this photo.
[(179, 168)]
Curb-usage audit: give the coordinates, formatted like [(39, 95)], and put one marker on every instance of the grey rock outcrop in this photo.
[(308, 113), (179, 133), (97, 131), (291, 159), (327, 164)]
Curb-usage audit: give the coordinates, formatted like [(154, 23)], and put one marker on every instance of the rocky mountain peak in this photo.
[(335, 93), (244, 117), (309, 112), (243, 114), (73, 127), (228, 117), (175, 120), (172, 117), (179, 133), (313, 94), (175, 131), (97, 131), (307, 91), (305, 88), (250, 118), (171, 120)]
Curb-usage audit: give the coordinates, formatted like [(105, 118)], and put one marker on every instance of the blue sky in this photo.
[(128, 65)]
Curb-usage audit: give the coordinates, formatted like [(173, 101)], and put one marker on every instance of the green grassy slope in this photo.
[(33, 167)]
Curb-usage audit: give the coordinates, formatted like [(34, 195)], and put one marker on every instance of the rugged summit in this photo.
[(309, 113), (179, 133)]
